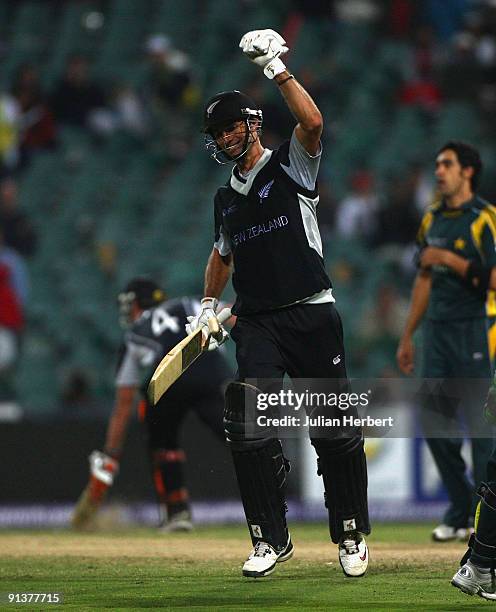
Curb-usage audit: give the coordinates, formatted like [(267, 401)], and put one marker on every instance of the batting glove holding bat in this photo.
[(207, 313), (264, 47)]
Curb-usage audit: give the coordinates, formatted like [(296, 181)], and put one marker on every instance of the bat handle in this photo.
[(213, 326), (223, 315), (214, 323)]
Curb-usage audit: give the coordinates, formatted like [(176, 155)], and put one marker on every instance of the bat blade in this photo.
[(174, 364), (178, 360)]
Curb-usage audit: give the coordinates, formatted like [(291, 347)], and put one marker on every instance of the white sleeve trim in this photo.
[(222, 244), (308, 208), (303, 167)]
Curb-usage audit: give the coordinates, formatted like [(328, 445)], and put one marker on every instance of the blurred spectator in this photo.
[(399, 219), (11, 324), (356, 216), (420, 87), (19, 278), (423, 187), (461, 75), (380, 327), (169, 78), (125, 112), (78, 398), (446, 16), (36, 121), (470, 72), (76, 97), (314, 9), (19, 233), (399, 17), (355, 11), (9, 133), (278, 122), (387, 316), (128, 110), (421, 91), (170, 95)]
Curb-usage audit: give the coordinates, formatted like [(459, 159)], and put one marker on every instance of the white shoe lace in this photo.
[(351, 546)]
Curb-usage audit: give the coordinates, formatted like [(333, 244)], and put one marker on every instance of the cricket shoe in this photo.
[(263, 558), (473, 580), (353, 555), (446, 533), (180, 521)]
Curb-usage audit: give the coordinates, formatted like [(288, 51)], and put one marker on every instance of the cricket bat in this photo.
[(178, 359)]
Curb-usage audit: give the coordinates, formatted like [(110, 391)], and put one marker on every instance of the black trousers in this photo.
[(303, 341)]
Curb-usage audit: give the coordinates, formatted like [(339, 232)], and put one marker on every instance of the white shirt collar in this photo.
[(243, 187)]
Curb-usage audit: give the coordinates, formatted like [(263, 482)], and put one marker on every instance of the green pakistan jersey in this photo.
[(468, 231)]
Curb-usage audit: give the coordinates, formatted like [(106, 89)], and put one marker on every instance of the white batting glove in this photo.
[(264, 47), (103, 467), (214, 343), (209, 306)]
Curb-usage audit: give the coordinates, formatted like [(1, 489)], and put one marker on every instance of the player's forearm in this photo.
[(475, 274), (461, 266), (456, 263), (119, 421), (217, 274), (301, 104), (419, 302)]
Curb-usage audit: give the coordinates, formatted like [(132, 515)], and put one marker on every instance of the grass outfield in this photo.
[(143, 569)]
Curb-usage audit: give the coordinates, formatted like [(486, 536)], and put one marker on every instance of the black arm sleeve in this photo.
[(478, 276)]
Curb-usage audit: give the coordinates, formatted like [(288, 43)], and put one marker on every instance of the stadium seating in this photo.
[(107, 209)]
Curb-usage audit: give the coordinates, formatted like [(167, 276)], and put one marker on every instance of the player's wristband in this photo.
[(478, 276), (288, 78), (274, 67), (209, 302)]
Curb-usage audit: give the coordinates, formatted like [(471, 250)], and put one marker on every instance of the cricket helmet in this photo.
[(223, 110), (145, 292)]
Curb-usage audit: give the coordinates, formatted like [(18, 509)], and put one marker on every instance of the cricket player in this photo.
[(476, 574), (266, 233), (455, 330), (154, 327)]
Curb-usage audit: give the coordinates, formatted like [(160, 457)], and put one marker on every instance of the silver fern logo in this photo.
[(264, 192)]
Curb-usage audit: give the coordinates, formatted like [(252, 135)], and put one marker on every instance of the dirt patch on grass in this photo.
[(187, 548)]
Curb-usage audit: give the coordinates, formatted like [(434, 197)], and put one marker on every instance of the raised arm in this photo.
[(264, 48), (305, 111)]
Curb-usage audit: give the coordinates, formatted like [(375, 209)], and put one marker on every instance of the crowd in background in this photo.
[(451, 56)]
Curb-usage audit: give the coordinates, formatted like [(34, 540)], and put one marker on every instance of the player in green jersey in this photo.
[(455, 327)]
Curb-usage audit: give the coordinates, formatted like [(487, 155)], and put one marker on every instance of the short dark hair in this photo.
[(468, 157)]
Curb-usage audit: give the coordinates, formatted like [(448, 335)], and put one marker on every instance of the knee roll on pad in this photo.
[(343, 467), (240, 414)]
